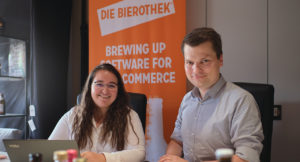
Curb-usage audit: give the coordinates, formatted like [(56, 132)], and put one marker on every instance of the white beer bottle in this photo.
[(155, 144)]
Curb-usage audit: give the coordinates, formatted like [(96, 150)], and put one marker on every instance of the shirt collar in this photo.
[(212, 92)]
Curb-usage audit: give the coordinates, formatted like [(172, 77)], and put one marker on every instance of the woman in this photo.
[(103, 125)]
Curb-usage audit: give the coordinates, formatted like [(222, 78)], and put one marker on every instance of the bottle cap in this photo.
[(60, 155), (223, 153), (72, 154)]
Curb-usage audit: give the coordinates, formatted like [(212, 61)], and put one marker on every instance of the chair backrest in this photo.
[(137, 101), (264, 96)]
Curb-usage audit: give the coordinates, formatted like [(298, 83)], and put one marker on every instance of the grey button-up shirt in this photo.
[(226, 117)]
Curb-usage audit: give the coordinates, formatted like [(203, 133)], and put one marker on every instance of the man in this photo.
[(215, 113)]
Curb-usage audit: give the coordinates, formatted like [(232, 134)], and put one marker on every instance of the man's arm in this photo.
[(173, 153), (235, 158), (174, 148), (246, 129)]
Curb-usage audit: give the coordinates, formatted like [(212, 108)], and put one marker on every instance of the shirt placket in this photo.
[(97, 139), (196, 126)]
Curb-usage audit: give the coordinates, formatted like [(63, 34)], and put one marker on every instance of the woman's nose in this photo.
[(105, 90)]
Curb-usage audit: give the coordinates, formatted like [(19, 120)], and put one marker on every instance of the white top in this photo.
[(134, 150)]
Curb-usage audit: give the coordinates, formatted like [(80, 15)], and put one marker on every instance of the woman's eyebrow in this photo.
[(101, 81), (97, 81), (112, 82)]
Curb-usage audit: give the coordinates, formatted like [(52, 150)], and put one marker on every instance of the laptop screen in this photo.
[(18, 150)]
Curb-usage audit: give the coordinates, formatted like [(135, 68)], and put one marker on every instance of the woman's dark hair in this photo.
[(114, 121), (202, 35)]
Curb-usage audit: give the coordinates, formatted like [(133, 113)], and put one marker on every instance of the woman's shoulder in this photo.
[(133, 115), (69, 115), (132, 112)]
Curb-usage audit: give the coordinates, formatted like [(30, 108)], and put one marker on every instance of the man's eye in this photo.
[(189, 62), (205, 61)]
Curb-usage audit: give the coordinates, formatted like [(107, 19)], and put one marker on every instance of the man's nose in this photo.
[(197, 67)]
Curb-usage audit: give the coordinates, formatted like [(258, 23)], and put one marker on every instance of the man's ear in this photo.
[(221, 60)]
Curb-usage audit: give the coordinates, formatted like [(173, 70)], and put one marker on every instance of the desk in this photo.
[(4, 160)]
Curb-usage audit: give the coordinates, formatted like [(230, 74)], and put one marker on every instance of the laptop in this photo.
[(18, 150)]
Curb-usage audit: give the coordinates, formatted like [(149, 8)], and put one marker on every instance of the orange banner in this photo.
[(142, 38)]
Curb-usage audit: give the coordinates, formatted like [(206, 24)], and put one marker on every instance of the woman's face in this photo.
[(104, 89)]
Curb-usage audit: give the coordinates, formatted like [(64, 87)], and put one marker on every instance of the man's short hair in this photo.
[(202, 35)]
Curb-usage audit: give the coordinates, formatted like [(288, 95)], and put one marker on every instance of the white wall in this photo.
[(284, 74), (260, 40)]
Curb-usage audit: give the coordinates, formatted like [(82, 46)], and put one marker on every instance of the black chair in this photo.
[(137, 101), (264, 96)]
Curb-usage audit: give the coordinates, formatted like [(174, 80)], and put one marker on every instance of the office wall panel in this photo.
[(243, 27), (195, 14), (284, 74)]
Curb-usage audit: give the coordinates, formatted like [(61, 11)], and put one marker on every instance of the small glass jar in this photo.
[(60, 156), (35, 157), (224, 154)]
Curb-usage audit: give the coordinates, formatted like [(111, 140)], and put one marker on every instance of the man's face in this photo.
[(202, 67)]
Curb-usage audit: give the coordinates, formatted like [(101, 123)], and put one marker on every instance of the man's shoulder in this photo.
[(188, 96), (236, 91)]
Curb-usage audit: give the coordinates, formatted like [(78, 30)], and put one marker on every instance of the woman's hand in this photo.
[(171, 158), (93, 157), (3, 157)]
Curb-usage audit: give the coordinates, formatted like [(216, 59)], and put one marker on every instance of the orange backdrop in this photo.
[(142, 40)]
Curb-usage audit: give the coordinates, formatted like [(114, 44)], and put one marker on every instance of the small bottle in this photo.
[(60, 156), (35, 157), (2, 104), (72, 154), (224, 154), (79, 160)]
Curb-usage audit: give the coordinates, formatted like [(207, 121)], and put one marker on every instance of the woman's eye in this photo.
[(100, 85), (112, 86)]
